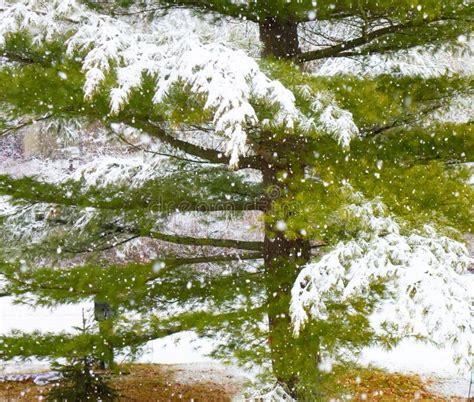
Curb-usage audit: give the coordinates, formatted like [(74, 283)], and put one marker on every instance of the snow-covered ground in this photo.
[(434, 365)]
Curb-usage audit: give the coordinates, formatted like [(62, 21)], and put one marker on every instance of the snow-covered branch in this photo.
[(426, 291), (176, 50)]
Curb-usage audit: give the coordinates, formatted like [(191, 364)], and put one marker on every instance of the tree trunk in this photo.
[(279, 38), (103, 314), (282, 258)]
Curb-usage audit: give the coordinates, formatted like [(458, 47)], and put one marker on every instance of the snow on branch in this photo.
[(268, 392), (336, 121), (43, 20), (427, 290), (416, 62), (108, 170), (177, 48)]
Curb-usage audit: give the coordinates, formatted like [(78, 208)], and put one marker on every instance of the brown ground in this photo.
[(140, 383), (378, 385), (143, 383)]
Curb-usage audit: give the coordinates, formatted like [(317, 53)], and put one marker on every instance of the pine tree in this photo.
[(349, 136), (78, 381)]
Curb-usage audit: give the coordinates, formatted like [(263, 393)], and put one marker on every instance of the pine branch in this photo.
[(59, 284), (19, 57), (175, 239), (40, 192), (231, 9), (141, 149), (255, 11), (189, 148), (438, 158), (193, 241), (341, 49), (99, 249), (53, 345), (407, 120), (24, 124)]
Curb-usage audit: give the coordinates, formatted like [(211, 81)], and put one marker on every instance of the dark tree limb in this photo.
[(176, 239), (18, 57), (23, 124), (205, 153), (341, 49), (193, 241), (409, 119)]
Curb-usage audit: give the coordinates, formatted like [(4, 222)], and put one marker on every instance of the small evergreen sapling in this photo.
[(80, 381)]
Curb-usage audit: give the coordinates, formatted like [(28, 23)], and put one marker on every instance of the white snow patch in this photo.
[(182, 348), (435, 365)]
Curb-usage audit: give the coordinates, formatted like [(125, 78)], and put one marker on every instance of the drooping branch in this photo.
[(408, 119), (205, 153)]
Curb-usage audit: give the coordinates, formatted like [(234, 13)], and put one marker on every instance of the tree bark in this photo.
[(279, 38), (103, 314), (282, 259)]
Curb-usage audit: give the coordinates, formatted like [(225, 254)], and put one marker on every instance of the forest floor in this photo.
[(198, 383)]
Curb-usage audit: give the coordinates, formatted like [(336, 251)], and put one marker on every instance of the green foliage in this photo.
[(388, 101), (205, 189), (79, 382), (133, 286), (415, 166), (327, 9)]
